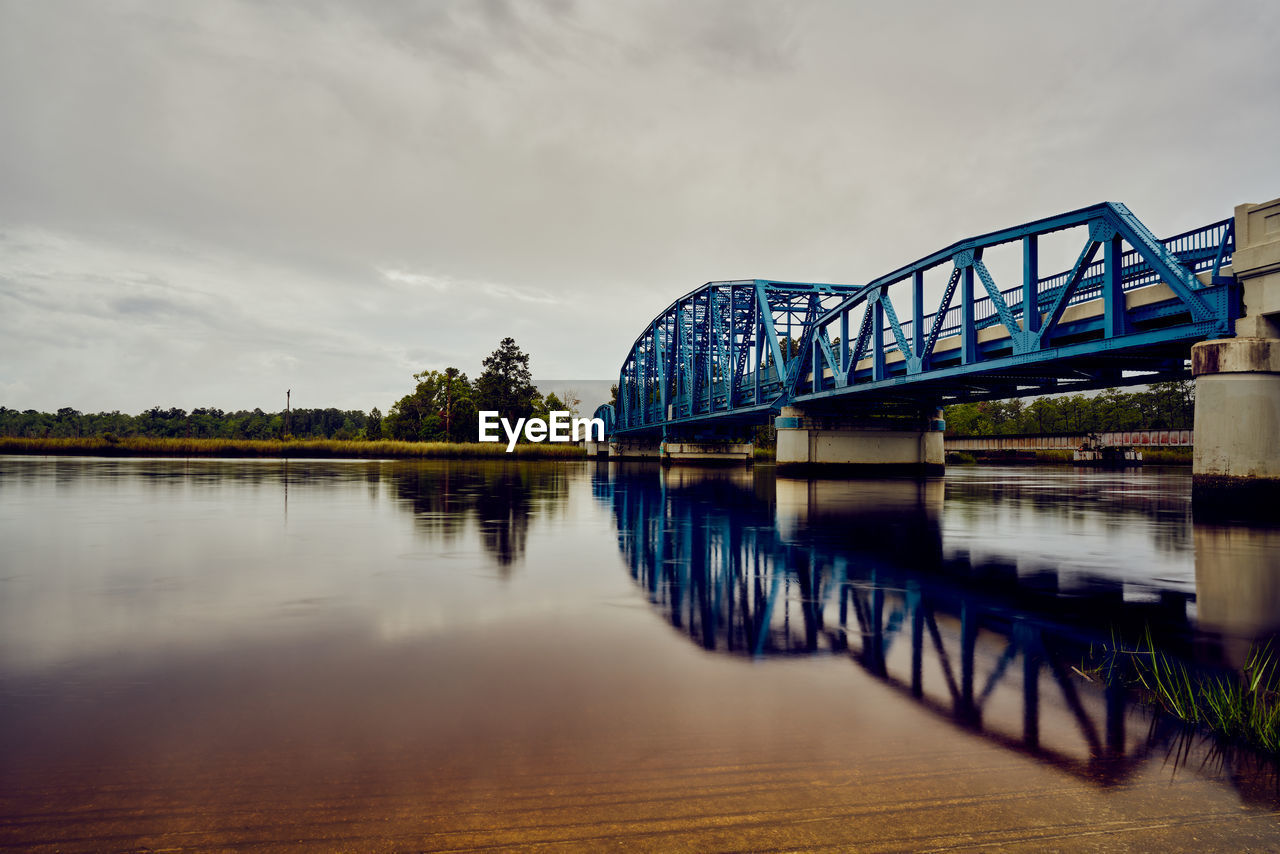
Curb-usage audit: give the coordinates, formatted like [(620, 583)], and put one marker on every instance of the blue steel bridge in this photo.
[(729, 355)]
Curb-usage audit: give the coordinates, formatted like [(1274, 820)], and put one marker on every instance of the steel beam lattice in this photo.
[(732, 353), (722, 354), (1133, 311)]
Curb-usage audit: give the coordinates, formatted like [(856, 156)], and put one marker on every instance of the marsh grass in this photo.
[(141, 446), (1240, 708), (1166, 456), (1004, 458)]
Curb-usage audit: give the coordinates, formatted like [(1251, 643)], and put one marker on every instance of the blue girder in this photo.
[(732, 353)]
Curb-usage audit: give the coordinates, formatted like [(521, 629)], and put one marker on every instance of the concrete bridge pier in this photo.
[(1237, 413), (820, 443)]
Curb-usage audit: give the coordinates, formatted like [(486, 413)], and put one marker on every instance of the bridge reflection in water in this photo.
[(748, 564)]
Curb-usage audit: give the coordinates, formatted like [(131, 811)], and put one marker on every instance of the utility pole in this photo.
[(287, 394)]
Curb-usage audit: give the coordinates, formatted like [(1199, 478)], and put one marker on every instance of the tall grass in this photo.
[(1167, 456), (1012, 457), (141, 446), (1239, 707)]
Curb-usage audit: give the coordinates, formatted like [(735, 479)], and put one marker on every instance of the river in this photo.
[(278, 655)]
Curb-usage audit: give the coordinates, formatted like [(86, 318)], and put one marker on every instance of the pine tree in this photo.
[(505, 384)]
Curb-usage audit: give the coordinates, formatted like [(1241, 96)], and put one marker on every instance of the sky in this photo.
[(205, 204)]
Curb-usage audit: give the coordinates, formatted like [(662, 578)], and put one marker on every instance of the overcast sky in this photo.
[(203, 204)]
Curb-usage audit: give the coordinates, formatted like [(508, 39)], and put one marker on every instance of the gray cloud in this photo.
[(206, 204)]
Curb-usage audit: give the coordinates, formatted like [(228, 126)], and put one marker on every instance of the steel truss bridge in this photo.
[(940, 330)]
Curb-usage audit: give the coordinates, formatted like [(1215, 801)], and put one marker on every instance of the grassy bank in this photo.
[(140, 446), (1167, 456), (1005, 458)]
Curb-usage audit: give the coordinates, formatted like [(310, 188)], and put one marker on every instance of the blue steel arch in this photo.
[(604, 412), (720, 355), (733, 353)]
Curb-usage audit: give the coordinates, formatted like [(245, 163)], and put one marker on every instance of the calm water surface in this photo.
[(365, 656)]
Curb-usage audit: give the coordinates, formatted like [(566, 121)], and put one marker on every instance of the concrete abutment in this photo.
[(1236, 462)]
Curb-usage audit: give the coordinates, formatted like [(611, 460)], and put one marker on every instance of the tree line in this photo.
[(199, 423), (1167, 405), (443, 407)]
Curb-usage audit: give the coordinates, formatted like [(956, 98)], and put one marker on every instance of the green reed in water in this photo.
[(1242, 708)]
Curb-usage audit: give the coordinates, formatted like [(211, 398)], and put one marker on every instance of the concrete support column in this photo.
[(822, 443), (1237, 415)]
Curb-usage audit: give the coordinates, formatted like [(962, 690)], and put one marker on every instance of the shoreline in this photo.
[(140, 446), (1151, 457)]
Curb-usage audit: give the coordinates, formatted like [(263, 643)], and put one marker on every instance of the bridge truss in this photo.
[(1127, 311), (1127, 317), (722, 353)]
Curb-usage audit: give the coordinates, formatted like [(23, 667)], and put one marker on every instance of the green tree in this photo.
[(458, 408), (410, 417), (505, 384), (438, 409), (464, 421), (68, 422), (968, 419), (373, 426), (544, 406)]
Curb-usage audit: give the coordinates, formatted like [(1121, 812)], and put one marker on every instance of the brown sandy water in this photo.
[(253, 655)]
